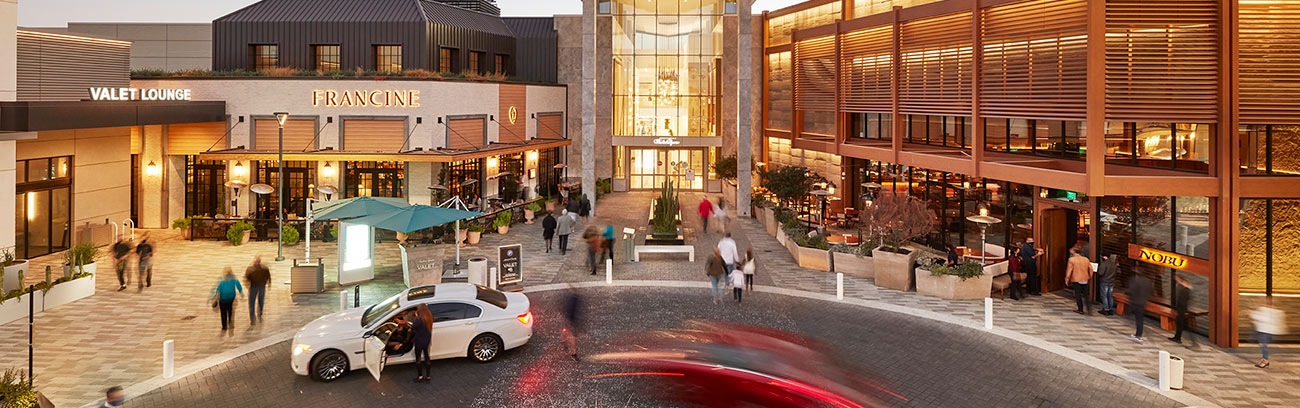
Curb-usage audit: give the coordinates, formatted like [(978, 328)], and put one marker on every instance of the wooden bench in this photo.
[(663, 249), (1167, 314)]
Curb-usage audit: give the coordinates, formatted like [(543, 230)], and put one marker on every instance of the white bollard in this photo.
[(343, 300), (1164, 370), (988, 313), (609, 271), (492, 277), (169, 358), (839, 285)]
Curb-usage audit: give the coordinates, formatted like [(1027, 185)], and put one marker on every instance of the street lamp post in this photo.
[(280, 117)]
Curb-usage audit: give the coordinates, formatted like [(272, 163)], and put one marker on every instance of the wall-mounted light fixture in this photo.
[(492, 162), (532, 155), (152, 169), (532, 173), (239, 170), (327, 170)]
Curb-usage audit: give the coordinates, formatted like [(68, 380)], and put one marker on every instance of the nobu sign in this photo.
[(1168, 259)]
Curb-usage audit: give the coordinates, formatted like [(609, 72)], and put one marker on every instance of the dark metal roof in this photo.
[(439, 13), (531, 27), (375, 11)]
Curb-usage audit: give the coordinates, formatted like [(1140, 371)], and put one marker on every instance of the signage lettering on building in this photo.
[(379, 98), (137, 94), (669, 141), (1169, 259), (513, 114)]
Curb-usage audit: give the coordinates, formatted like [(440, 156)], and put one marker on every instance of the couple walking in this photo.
[(122, 251), (725, 266), (228, 288)]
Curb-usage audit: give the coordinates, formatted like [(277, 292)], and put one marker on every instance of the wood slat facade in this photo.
[(373, 134), (299, 135), (866, 60), (467, 133), (1269, 62), (1162, 60), (935, 70), (195, 138), (1034, 60)]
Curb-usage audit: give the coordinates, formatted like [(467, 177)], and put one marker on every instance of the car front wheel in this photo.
[(329, 366), (485, 347)]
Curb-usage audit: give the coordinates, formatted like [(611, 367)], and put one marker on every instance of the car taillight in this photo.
[(526, 318)]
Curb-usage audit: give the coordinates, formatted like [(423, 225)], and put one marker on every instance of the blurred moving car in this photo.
[(712, 363), (468, 320)]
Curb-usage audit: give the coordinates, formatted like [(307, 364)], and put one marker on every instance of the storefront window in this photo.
[(300, 179), (1181, 146), (463, 178), (995, 134), (325, 57), (548, 176), (870, 126), (1268, 270), (1272, 150), (620, 168), (205, 191), (375, 179), (665, 74), (42, 206)]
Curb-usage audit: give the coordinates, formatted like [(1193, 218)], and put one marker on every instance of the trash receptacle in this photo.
[(478, 270), (1175, 372), (629, 243)]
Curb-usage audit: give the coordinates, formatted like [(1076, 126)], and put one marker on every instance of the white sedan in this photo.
[(468, 320)]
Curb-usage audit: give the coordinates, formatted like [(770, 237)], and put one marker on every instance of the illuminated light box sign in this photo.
[(379, 98), (356, 253), (138, 94), (1180, 262)]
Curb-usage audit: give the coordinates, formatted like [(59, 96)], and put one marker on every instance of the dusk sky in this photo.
[(54, 13)]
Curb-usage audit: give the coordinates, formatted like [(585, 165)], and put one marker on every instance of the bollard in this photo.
[(839, 285), (343, 300), (1164, 370), (988, 313), (492, 277), (356, 296), (609, 271), (169, 358)]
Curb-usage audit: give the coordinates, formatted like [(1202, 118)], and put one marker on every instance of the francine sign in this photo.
[(379, 98), (1169, 259)]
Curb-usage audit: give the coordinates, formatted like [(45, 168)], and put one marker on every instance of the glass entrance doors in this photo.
[(42, 206), (650, 167)]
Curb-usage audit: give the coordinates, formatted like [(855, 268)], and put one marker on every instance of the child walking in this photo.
[(737, 279)]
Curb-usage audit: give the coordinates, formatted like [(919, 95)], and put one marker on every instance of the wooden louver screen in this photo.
[(298, 135), (1269, 62), (550, 126), (780, 92), (195, 138), (465, 133), (370, 135), (935, 75), (1034, 60), (1162, 60), (814, 74), (866, 58)]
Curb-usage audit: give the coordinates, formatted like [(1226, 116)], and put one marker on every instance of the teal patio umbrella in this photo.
[(414, 218), (357, 207)]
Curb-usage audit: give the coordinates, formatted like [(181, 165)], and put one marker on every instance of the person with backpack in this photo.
[(121, 251)]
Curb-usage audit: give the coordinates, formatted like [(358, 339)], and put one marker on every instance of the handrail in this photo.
[(129, 223)]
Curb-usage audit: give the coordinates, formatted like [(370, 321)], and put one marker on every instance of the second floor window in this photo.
[(264, 56), (388, 58), (325, 57), (447, 59), (500, 64), (476, 62)]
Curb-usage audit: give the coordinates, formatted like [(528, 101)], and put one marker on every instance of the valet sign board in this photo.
[(139, 94), (510, 261), (1166, 259), (356, 253)]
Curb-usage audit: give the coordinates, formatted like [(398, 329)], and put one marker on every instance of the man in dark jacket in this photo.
[(1106, 279), (1029, 265), (1182, 296), (258, 277), (121, 250), (548, 230), (1139, 290)]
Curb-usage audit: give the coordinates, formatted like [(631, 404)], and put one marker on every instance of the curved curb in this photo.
[(1116, 370)]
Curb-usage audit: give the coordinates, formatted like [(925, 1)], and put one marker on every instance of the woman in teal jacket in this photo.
[(224, 294)]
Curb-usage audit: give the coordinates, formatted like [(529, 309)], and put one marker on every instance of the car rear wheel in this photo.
[(485, 347), (329, 365)]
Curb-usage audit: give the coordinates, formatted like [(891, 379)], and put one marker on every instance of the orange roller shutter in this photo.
[(298, 135), (194, 138), (364, 135), (550, 126), (465, 133)]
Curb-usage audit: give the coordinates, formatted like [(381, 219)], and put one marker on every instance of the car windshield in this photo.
[(378, 310), (492, 296)]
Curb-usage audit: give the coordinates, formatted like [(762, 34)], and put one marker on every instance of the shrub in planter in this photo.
[(289, 235), (531, 211), (79, 258), (964, 281), (474, 233), (851, 261), (897, 218), (16, 391), (238, 232), (14, 270), (502, 222)]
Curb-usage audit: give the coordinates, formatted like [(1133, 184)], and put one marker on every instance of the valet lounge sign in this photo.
[(376, 98), (139, 94), (1169, 259)]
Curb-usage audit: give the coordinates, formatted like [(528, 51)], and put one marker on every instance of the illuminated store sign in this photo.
[(670, 141), (1169, 259), (379, 98), (512, 115), (137, 94)]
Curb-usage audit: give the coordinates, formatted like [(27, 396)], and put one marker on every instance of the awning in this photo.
[(63, 115), (433, 156)]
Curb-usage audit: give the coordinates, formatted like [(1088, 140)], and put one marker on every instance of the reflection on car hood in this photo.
[(342, 322)]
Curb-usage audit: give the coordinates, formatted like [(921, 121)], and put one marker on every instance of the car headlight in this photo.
[(298, 349)]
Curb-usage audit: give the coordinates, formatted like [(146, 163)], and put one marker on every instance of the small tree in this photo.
[(725, 167), (895, 219), (791, 183)]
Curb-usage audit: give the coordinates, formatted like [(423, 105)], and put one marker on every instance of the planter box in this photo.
[(893, 270), (952, 287), (68, 292), (813, 258), (769, 221), (13, 273), (91, 268), (15, 309), (852, 265), (780, 236)]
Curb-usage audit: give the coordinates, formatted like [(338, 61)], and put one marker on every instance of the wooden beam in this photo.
[(1095, 135), (1197, 186)]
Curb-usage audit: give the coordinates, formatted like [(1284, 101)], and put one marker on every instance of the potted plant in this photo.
[(966, 280), (16, 390), (474, 234), (80, 258), (853, 261), (183, 224), (239, 232), (550, 205), (900, 218), (14, 270), (289, 235), (530, 212), (665, 218), (812, 252), (502, 222)]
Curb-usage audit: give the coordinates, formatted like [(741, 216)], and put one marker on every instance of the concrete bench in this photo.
[(663, 249)]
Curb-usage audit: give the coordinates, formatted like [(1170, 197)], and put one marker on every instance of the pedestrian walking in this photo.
[(223, 297), (1269, 321), (548, 230), (1181, 298), (1017, 276), (716, 269), (564, 227), (1139, 291), (706, 210), (608, 242), (258, 276), (1078, 271), (749, 269), (720, 217), (121, 252), (113, 397), (574, 204), (584, 208), (1106, 271), (594, 243), (571, 316), (421, 336), (1029, 264), (730, 254), (737, 279), (144, 254)]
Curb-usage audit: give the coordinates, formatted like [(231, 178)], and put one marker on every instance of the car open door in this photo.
[(373, 348)]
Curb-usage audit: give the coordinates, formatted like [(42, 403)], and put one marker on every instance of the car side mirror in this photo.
[(367, 334)]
